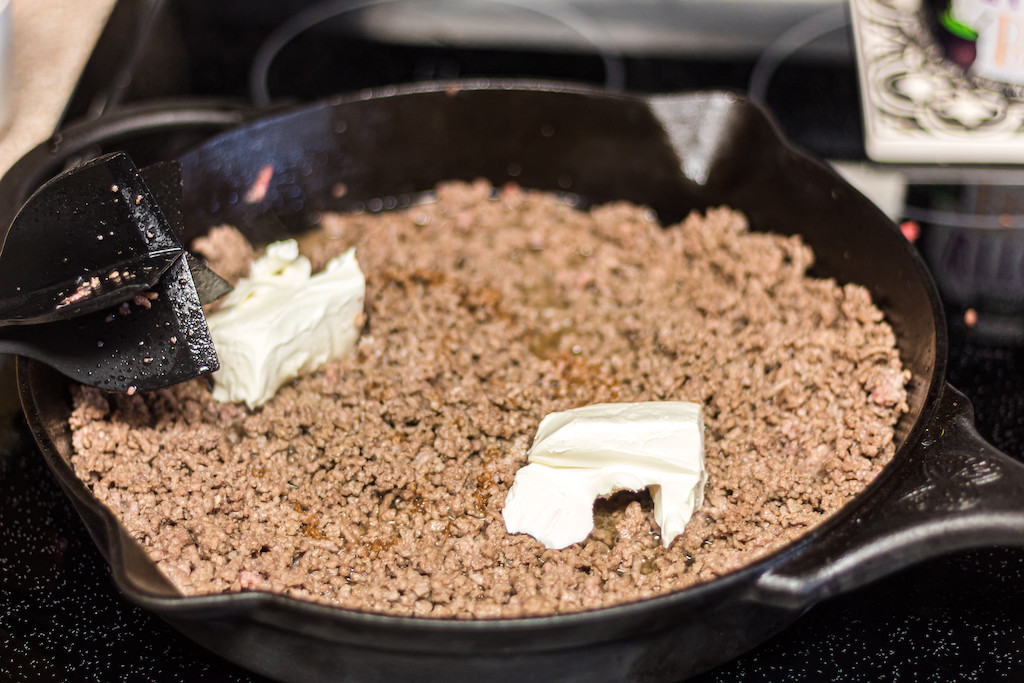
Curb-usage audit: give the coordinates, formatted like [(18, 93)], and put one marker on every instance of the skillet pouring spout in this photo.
[(952, 491)]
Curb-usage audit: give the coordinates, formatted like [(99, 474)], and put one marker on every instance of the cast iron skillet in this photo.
[(945, 489)]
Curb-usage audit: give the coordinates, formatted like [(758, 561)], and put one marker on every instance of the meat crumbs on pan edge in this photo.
[(377, 482)]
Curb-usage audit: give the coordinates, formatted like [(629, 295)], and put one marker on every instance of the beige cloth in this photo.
[(52, 41)]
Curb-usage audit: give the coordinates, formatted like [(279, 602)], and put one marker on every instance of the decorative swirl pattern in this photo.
[(952, 484), (920, 106)]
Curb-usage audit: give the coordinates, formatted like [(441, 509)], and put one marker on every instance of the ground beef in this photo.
[(377, 482), (226, 251)]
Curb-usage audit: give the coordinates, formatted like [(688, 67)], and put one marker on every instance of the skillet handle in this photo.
[(953, 491)]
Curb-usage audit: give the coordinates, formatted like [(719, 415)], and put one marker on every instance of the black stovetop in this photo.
[(61, 618)]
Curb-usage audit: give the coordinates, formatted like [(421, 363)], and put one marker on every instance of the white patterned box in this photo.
[(920, 107)]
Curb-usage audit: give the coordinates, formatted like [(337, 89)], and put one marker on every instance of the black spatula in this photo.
[(95, 282)]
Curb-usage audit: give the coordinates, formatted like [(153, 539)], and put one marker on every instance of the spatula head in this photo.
[(154, 336), (132, 347), (88, 239)]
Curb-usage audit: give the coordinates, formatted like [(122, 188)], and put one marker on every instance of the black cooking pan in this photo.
[(945, 489)]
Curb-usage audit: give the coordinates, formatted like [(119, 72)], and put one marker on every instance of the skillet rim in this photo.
[(251, 602)]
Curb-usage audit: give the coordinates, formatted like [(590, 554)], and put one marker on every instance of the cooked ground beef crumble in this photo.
[(377, 482)]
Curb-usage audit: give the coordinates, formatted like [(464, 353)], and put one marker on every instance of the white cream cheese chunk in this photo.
[(282, 321), (580, 454)]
